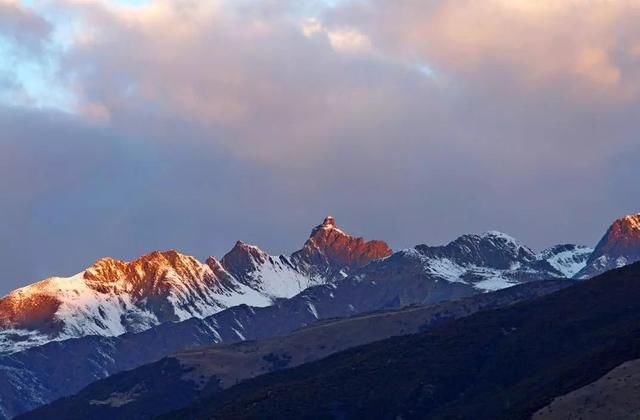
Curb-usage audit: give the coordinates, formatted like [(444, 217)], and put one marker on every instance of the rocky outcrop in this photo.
[(328, 255), (331, 253)]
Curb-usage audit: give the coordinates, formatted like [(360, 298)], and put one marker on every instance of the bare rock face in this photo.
[(619, 246), (243, 260), (332, 253), (29, 312), (106, 270)]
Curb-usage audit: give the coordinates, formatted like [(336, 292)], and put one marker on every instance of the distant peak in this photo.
[(245, 247), (620, 245), (329, 221), (105, 261), (242, 254), (242, 259), (333, 249), (106, 269), (500, 235), (492, 236), (171, 256), (328, 225)]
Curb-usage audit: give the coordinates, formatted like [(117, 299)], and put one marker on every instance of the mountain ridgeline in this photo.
[(114, 297), (118, 315)]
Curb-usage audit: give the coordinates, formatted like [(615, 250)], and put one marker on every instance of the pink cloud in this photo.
[(583, 47)]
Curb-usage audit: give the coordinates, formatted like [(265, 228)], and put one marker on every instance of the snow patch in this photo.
[(569, 262)]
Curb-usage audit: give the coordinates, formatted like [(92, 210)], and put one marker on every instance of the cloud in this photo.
[(22, 26), (588, 49), (191, 124), (346, 40), (260, 84)]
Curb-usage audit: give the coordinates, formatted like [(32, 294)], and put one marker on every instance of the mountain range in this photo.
[(507, 363), (114, 297), (118, 315), (206, 371)]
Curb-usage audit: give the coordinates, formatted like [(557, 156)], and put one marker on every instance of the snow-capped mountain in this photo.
[(619, 246), (272, 276), (494, 260), (114, 297), (328, 255), (470, 265)]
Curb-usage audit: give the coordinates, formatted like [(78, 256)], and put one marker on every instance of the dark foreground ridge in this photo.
[(500, 364)]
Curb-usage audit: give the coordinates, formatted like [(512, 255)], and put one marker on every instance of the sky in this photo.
[(129, 126)]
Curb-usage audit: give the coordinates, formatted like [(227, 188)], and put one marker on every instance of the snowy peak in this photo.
[(330, 251), (619, 246), (328, 224), (274, 277), (243, 257), (328, 255), (113, 297), (491, 249), (622, 238), (492, 261), (243, 261)]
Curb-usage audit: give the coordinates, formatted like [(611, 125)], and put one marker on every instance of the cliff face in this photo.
[(332, 253)]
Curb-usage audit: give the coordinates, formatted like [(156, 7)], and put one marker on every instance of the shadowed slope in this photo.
[(500, 364), (178, 380)]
